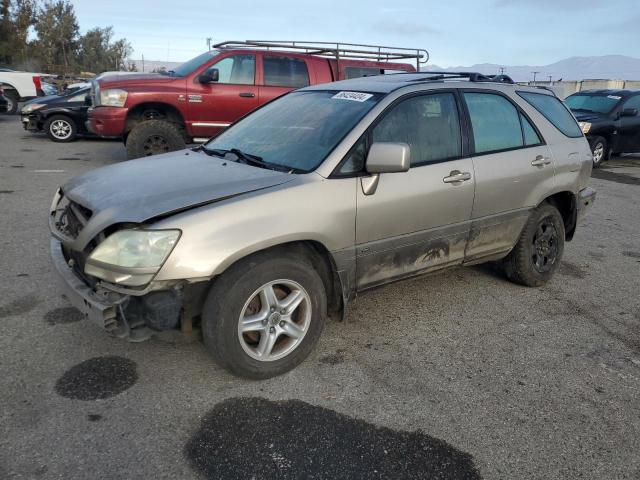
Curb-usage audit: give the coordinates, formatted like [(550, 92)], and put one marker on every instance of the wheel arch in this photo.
[(316, 253), (152, 111), (566, 203)]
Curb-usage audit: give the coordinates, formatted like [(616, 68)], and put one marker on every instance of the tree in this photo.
[(15, 22), (97, 53), (58, 31)]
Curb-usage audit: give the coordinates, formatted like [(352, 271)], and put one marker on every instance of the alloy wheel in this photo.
[(598, 152), (61, 129), (274, 320), (545, 246)]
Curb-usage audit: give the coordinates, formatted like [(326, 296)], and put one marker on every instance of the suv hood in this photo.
[(583, 116), (123, 79), (139, 190)]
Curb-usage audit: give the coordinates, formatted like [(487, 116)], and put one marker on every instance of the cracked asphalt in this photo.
[(455, 375)]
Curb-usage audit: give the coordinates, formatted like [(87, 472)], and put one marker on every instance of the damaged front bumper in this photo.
[(99, 309), (135, 318)]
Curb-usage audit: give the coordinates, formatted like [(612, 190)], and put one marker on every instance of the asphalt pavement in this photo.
[(456, 375)]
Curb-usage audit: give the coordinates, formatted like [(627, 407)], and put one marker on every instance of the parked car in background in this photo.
[(610, 120), (61, 117), (3, 102), (157, 113), (325, 192), (21, 86)]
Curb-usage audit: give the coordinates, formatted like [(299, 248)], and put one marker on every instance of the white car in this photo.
[(21, 86)]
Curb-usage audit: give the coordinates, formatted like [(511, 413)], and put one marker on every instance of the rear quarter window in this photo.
[(553, 110)]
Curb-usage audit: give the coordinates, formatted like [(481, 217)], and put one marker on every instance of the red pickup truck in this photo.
[(157, 113)]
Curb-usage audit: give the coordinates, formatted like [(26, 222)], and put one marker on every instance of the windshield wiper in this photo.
[(584, 110), (246, 158)]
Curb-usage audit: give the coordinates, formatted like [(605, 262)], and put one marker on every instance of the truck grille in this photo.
[(69, 217)]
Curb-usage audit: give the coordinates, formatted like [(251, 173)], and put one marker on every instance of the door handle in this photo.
[(247, 94), (457, 176), (540, 161)]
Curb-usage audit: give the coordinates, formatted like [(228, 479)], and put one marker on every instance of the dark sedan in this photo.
[(610, 120), (61, 117)]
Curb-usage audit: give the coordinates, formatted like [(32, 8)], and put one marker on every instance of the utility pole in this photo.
[(501, 70), (209, 43), (550, 83), (143, 63), (534, 77)]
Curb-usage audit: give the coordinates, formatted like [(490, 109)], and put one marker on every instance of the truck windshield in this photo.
[(592, 103), (299, 130), (189, 66)]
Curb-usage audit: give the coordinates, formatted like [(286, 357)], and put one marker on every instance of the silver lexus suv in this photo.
[(260, 233)]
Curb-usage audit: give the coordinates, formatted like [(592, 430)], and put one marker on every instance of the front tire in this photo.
[(12, 101), (600, 151), (154, 137), (264, 316), (60, 128), (536, 256)]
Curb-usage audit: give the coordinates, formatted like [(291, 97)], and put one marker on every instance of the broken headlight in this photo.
[(131, 257)]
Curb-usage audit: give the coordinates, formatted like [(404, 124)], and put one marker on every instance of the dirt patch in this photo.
[(631, 254), (571, 270), (7, 191), (94, 417), (258, 438), (63, 315), (615, 177), (332, 359), (19, 306), (97, 378)]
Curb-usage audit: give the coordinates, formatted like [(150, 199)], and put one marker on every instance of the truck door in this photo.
[(629, 127), (230, 94), (281, 74)]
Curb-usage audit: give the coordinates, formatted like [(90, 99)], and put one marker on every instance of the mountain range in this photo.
[(614, 67)]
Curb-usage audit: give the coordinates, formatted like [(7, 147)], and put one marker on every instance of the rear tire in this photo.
[(536, 256), (235, 343), (600, 151), (154, 137), (60, 128), (13, 98)]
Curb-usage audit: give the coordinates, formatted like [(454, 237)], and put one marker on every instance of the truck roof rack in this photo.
[(337, 50), (471, 76)]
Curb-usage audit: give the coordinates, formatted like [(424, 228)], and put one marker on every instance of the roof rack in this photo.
[(337, 50), (472, 76)]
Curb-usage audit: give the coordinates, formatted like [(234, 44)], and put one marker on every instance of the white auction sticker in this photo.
[(354, 96), (614, 97)]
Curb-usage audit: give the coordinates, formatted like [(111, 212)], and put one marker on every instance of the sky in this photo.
[(455, 32)]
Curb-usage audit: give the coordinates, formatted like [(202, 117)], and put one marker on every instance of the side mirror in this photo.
[(629, 112), (210, 76), (384, 157)]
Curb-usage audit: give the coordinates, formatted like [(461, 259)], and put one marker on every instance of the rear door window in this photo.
[(495, 122), (554, 110), (529, 133), (285, 72)]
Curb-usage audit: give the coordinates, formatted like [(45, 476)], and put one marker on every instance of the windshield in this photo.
[(592, 103), (189, 66), (299, 130)]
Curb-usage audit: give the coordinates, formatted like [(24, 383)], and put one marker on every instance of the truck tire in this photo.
[(536, 256), (264, 315), (153, 137), (60, 128), (600, 150), (13, 98)]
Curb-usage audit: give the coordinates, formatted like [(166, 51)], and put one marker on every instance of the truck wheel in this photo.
[(536, 256), (12, 101), (599, 148), (60, 128), (264, 315), (153, 137)]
